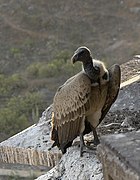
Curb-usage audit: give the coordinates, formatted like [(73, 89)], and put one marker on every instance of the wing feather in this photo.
[(113, 88), (70, 104)]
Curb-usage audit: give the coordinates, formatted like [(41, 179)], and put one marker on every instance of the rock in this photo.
[(125, 123), (129, 97), (135, 10), (36, 136), (72, 166), (120, 156)]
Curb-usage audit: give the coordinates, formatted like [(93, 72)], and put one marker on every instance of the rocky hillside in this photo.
[(123, 117), (33, 31)]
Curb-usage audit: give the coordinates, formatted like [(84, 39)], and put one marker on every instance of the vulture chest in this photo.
[(97, 101)]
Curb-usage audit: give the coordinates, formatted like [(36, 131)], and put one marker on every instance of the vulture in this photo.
[(82, 102)]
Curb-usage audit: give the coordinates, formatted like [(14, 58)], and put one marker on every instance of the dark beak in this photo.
[(74, 58)]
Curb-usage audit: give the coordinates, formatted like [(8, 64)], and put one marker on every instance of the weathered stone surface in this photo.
[(36, 136), (74, 167), (120, 156), (124, 115), (129, 97), (25, 162), (27, 156)]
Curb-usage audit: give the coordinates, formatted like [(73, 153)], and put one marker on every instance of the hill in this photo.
[(33, 31)]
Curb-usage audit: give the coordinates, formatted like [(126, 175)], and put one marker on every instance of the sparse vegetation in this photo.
[(15, 52), (10, 85), (54, 68), (22, 103), (19, 113)]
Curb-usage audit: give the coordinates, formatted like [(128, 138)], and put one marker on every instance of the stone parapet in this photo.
[(120, 156)]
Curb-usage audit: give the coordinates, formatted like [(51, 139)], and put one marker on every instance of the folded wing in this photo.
[(113, 88), (70, 104)]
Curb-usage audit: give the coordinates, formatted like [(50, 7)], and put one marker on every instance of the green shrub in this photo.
[(17, 81), (19, 113), (16, 52), (48, 70), (54, 68), (25, 104), (11, 122), (33, 70), (11, 84), (63, 55), (70, 69)]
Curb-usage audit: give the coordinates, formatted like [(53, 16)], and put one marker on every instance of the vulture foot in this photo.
[(96, 140)]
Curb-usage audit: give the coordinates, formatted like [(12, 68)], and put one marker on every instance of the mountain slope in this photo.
[(38, 30)]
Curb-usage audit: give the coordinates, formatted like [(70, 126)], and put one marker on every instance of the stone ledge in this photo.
[(120, 156)]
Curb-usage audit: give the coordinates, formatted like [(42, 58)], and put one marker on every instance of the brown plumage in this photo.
[(81, 103)]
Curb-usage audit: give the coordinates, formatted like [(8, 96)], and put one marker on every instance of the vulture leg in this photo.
[(96, 140), (53, 145), (82, 144), (64, 147)]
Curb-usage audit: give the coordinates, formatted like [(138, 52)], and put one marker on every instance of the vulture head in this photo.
[(82, 54), (93, 68)]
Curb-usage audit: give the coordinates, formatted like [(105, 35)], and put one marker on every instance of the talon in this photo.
[(95, 142)]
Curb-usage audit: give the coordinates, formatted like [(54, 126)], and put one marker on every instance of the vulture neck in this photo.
[(91, 71)]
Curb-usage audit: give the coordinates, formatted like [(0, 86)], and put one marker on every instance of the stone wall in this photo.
[(120, 156)]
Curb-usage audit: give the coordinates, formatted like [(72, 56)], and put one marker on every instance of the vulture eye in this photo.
[(81, 52), (105, 76)]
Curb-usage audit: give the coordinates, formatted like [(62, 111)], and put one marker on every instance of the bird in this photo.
[(82, 102)]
